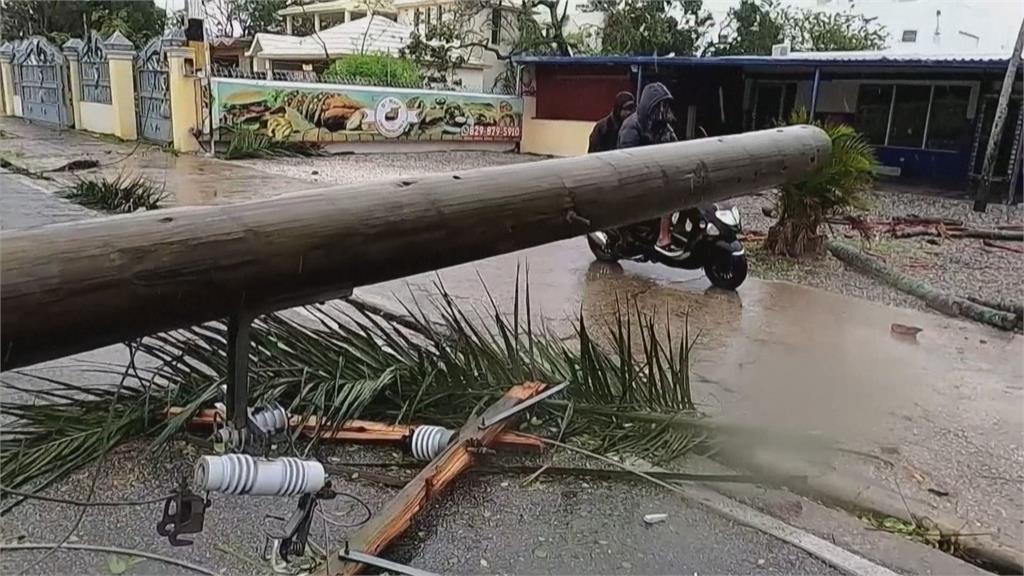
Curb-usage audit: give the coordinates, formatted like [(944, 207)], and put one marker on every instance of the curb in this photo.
[(860, 494)]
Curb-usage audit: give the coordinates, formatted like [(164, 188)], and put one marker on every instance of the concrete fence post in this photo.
[(7, 78), (71, 50), (120, 57), (182, 87)]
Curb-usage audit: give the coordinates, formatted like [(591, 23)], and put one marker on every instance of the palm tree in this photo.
[(835, 187)]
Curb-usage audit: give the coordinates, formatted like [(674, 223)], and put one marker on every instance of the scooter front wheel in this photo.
[(726, 271), (601, 251)]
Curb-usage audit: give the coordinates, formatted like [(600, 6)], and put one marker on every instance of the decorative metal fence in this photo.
[(94, 70), (151, 87)]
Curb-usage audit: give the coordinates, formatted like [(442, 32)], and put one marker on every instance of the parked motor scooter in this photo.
[(702, 237)]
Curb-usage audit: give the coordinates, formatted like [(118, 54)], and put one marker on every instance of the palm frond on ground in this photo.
[(252, 144), (124, 194), (338, 363), (838, 185)]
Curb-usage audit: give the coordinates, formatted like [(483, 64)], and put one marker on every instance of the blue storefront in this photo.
[(928, 116)]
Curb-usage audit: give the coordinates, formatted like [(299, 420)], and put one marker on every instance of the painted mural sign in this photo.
[(340, 113)]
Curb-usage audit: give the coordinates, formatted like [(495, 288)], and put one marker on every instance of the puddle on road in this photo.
[(772, 353)]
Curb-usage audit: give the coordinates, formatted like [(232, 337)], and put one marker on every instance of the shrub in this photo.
[(379, 69), (837, 186)]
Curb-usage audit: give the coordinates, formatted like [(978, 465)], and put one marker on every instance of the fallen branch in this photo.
[(1012, 235), (374, 536), (915, 220), (358, 431), (1016, 308), (992, 244), (941, 301)]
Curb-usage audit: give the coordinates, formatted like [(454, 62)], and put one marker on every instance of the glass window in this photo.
[(910, 36), (908, 115), (948, 128), (872, 119), (495, 26)]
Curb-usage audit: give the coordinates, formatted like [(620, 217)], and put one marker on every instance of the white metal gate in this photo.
[(42, 74), (154, 98)]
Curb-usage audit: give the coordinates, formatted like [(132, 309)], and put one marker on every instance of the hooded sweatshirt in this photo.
[(637, 130), (605, 135)]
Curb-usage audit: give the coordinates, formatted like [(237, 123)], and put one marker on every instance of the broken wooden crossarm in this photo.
[(358, 431), (374, 536)]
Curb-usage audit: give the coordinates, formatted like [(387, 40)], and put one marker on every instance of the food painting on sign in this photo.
[(339, 114)]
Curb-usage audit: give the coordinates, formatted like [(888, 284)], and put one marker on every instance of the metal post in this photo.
[(814, 92), (1018, 164), (992, 150), (238, 370)]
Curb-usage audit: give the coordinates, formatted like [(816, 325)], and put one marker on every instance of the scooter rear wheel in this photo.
[(727, 271)]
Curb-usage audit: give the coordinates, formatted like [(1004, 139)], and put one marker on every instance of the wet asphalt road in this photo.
[(484, 526)]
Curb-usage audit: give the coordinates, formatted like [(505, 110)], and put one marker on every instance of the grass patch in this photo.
[(122, 195), (922, 531), (252, 144)]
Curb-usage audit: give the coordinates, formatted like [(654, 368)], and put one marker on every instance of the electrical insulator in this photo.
[(428, 442), (243, 474)]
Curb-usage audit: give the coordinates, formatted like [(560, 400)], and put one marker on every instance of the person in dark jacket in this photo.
[(605, 135), (652, 124)]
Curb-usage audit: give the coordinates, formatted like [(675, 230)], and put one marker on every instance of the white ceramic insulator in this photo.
[(243, 474), (429, 441), (270, 419)]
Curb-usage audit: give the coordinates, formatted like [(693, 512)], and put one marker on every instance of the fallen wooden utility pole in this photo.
[(396, 516), (73, 287)]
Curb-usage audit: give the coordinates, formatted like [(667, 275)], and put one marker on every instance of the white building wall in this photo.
[(964, 25)]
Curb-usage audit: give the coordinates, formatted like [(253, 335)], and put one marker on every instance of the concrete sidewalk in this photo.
[(187, 179)]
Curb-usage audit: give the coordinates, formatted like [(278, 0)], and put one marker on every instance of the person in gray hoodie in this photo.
[(652, 124)]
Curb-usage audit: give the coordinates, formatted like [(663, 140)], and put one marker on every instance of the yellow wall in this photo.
[(552, 137), (74, 71), (183, 88), (97, 117), (122, 94), (7, 77)]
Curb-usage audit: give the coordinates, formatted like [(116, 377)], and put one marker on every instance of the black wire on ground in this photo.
[(357, 500), (72, 502), (99, 465)]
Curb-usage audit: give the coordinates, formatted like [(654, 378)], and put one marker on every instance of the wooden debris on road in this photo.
[(360, 431), (396, 516)]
